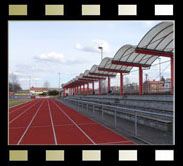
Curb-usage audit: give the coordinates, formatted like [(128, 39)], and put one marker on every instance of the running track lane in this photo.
[(97, 133), (55, 123), (18, 124)]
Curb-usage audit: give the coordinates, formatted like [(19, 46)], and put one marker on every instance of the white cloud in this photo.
[(51, 57), (17, 74), (56, 58), (24, 68), (28, 79), (93, 45)]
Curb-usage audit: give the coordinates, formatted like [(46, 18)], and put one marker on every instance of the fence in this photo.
[(149, 127), (20, 97)]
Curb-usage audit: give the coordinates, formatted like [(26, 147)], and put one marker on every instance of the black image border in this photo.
[(72, 11)]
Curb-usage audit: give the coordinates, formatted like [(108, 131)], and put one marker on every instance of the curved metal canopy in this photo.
[(127, 56), (94, 71), (159, 38), (87, 75), (106, 65)]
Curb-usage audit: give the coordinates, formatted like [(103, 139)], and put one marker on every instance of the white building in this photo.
[(167, 85)]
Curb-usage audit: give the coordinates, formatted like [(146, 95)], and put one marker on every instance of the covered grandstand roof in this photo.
[(94, 71), (127, 56), (87, 75), (158, 41), (159, 38), (106, 65)]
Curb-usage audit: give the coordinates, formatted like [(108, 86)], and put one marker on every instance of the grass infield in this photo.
[(14, 102)]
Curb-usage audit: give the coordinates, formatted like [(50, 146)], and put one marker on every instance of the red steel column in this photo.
[(64, 91), (121, 83), (93, 89), (83, 88), (109, 83), (80, 89), (172, 75), (99, 86), (87, 88), (140, 81)]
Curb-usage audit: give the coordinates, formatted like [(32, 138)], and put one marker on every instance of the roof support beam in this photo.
[(112, 70), (104, 75), (153, 52), (129, 64), (94, 77)]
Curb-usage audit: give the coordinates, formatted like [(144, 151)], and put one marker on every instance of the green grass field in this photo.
[(14, 102)]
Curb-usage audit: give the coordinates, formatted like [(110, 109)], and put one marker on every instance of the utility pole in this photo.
[(101, 48), (13, 83), (29, 82), (59, 84), (59, 81)]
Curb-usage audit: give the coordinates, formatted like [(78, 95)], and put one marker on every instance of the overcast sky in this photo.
[(39, 50)]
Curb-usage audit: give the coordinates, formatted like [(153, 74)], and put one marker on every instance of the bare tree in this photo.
[(14, 85)]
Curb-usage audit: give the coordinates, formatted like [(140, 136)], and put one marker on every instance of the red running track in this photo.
[(49, 122)]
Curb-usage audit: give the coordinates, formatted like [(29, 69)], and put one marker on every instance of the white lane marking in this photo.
[(30, 124), (74, 123), (25, 104), (55, 138), (21, 113)]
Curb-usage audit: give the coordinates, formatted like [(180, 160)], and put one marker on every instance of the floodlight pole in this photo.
[(101, 48), (59, 81)]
